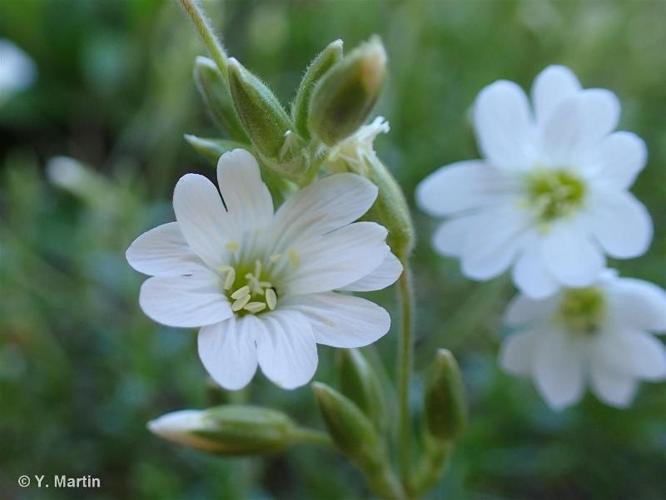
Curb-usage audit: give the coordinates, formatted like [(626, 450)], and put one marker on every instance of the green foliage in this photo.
[(82, 369)]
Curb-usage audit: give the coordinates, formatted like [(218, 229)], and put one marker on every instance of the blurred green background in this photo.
[(82, 369)]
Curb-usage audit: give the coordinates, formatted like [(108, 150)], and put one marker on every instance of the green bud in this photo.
[(445, 412), (318, 67), (264, 119), (214, 90), (211, 149), (227, 430), (344, 97), (359, 383), (356, 437)]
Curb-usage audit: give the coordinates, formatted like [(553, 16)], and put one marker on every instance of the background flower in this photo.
[(550, 197), (263, 287), (17, 70), (596, 336)]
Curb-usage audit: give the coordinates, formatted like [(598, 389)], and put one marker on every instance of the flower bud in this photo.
[(260, 112), (359, 383), (344, 97), (214, 90), (445, 413), (227, 430), (356, 437), (211, 149), (318, 68)]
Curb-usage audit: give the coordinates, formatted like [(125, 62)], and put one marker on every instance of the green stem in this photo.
[(206, 32), (405, 370), (311, 436)]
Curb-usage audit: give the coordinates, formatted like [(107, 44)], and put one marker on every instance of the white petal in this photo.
[(246, 197), (504, 125), (577, 124), (620, 223), (601, 112), (562, 140), (531, 275), (340, 320), (383, 276), (552, 86), (462, 186), (615, 389), (184, 301), (325, 205), (638, 304), (202, 218), (559, 369), (449, 238), (495, 237), (633, 353), (162, 251), (228, 351), (570, 256), (287, 349), (517, 353), (335, 260), (617, 160), (523, 310)]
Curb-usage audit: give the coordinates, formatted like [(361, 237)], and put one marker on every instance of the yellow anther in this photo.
[(230, 278), (241, 292), (275, 258), (294, 258), (240, 303), (232, 246), (255, 307), (271, 298)]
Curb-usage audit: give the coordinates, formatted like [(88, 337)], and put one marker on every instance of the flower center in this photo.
[(553, 194), (248, 288), (582, 310)]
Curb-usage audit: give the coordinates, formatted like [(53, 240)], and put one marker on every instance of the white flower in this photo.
[(596, 335), (263, 286), (550, 196), (17, 71), (355, 150)]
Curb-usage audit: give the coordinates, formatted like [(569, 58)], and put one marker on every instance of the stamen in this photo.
[(275, 258), (271, 298), (255, 307), (240, 303), (232, 246), (241, 292), (230, 278), (257, 268), (294, 258)]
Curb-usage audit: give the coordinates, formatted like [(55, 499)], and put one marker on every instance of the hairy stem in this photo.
[(206, 32), (405, 370)]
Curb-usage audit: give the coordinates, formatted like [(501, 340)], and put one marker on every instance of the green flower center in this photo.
[(553, 194), (249, 288), (582, 310)]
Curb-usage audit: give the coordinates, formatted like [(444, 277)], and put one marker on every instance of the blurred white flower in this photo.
[(358, 148), (17, 71), (264, 286), (596, 335), (550, 196)]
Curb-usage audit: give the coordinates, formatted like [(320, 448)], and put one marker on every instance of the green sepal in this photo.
[(317, 68), (264, 119), (344, 97), (445, 411), (359, 382), (211, 148), (214, 90), (356, 437)]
